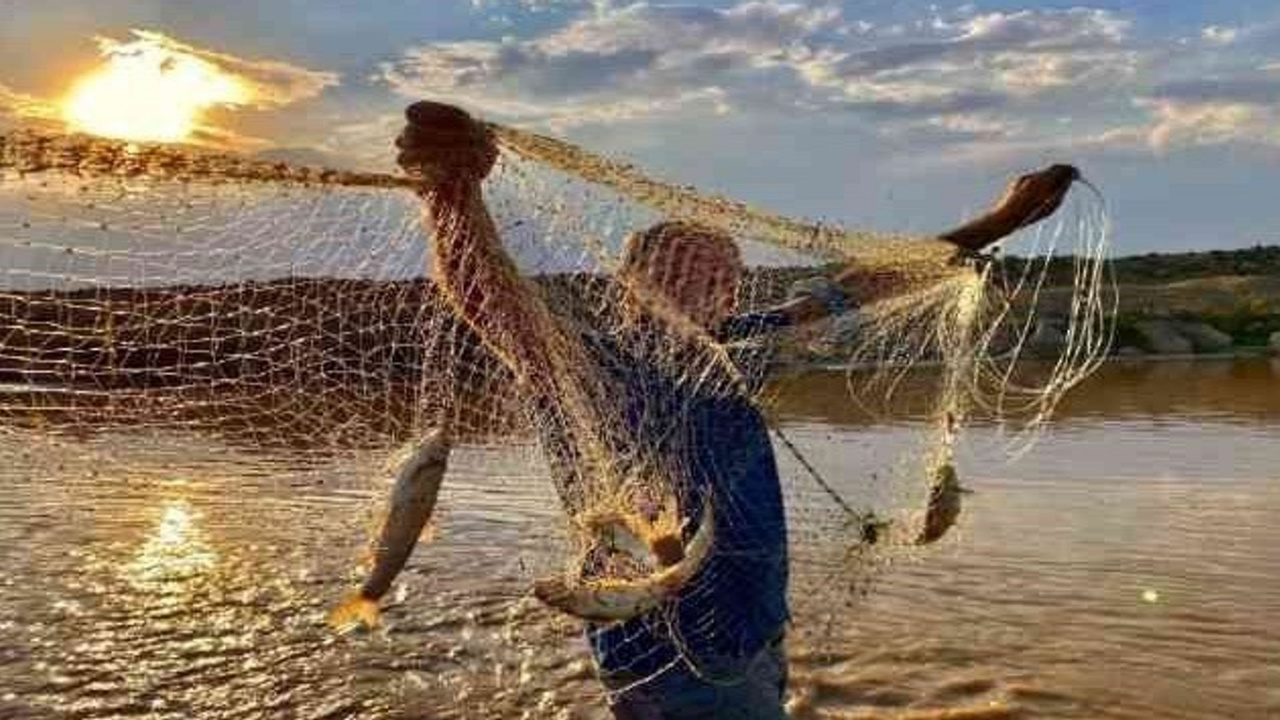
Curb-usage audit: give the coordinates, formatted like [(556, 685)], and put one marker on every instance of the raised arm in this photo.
[(1026, 201), (450, 153)]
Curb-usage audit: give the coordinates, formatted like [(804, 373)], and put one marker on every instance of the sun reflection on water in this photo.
[(176, 550)]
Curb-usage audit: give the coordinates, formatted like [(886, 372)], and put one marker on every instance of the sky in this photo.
[(902, 116)]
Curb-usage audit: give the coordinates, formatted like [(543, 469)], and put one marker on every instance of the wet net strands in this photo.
[(727, 214), (32, 152), (299, 311)]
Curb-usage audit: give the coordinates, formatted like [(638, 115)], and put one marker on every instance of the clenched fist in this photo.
[(440, 143), (1026, 201)]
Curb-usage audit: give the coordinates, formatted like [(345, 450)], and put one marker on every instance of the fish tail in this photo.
[(553, 592), (355, 611)]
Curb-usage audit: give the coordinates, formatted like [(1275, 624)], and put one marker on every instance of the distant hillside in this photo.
[(1163, 268), (1233, 292)]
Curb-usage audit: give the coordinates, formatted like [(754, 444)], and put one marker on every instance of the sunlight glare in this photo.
[(146, 91), (176, 550)]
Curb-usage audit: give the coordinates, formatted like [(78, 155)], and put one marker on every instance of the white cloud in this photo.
[(1031, 30), (1177, 123), (962, 78), (620, 63), (533, 6), (628, 62), (996, 57), (1220, 34), (1241, 108), (273, 83), (978, 125)]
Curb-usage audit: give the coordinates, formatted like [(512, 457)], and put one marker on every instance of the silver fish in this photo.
[(614, 600), (413, 497)]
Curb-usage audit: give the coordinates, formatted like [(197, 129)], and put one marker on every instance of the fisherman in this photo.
[(661, 407)]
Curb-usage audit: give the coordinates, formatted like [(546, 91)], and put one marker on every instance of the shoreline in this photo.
[(1245, 353)]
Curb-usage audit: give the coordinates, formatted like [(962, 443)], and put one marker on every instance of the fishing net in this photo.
[(285, 312)]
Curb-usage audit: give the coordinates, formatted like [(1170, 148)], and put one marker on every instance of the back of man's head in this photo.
[(695, 266)]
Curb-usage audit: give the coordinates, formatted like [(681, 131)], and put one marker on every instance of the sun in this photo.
[(145, 91)]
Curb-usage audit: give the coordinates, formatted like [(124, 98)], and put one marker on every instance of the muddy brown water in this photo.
[(1123, 567)]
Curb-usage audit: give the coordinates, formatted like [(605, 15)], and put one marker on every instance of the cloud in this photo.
[(973, 126), (1046, 82), (1210, 123), (623, 63), (1000, 57), (529, 6), (1252, 36), (1254, 88), (18, 107), (1244, 108), (966, 82), (1220, 34), (272, 83), (634, 61), (208, 79)]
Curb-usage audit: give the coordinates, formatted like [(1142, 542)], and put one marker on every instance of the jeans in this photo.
[(680, 694)]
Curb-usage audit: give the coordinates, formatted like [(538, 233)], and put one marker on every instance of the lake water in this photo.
[(1126, 566)]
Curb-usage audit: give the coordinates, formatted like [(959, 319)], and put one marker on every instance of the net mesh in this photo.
[(297, 312)]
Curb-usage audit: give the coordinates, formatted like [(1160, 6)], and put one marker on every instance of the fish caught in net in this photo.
[(511, 287)]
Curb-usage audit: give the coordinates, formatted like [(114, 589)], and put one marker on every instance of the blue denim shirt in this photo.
[(737, 604)]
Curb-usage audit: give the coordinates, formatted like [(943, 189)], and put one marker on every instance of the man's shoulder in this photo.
[(752, 326)]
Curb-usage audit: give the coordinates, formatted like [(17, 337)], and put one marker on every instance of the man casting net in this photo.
[(626, 323)]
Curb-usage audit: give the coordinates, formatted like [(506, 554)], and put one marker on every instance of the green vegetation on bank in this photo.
[(1157, 268), (1167, 296)]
